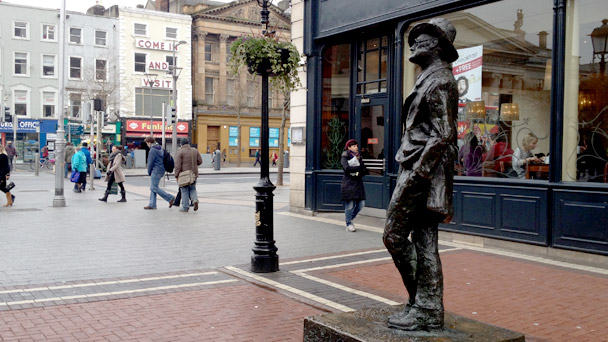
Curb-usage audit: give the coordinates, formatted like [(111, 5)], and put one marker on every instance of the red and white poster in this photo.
[(141, 128), (467, 71)]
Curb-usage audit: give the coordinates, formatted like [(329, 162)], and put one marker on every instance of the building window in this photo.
[(171, 33), (149, 102), (76, 67), (48, 104), (101, 70), (208, 48), (100, 38), (503, 78), (48, 65), (75, 105), (21, 100), (372, 59), (585, 137), (251, 95), (170, 61), (140, 62), (21, 30), (48, 32), (140, 29), (21, 63), (335, 108), (209, 90), (75, 35), (230, 92)]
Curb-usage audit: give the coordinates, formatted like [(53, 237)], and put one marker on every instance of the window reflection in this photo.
[(335, 104), (586, 97), (372, 66), (503, 75)]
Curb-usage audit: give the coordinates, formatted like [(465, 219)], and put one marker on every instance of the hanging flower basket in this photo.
[(264, 65), (263, 54)]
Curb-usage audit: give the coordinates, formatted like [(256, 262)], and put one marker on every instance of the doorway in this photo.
[(213, 137)]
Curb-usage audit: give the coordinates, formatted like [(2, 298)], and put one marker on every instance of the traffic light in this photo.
[(172, 116), (6, 114), (97, 105)]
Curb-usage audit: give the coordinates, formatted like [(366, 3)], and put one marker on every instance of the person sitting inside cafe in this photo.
[(523, 155), (593, 159), (498, 152)]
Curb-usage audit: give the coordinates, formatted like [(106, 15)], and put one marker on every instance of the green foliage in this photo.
[(261, 50)]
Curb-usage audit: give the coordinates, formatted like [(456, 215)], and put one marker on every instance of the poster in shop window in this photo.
[(467, 72)]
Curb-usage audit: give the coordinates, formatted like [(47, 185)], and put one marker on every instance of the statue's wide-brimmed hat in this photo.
[(443, 30)]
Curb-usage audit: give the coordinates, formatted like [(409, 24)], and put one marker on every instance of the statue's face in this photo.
[(422, 47)]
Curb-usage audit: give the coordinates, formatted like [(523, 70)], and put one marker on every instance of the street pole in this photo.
[(92, 171), (37, 156), (162, 181), (264, 258), (59, 199), (175, 76), (151, 82)]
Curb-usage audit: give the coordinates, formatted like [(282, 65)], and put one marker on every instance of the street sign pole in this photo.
[(164, 111), (59, 199)]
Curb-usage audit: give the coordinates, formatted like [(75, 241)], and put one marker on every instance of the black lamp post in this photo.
[(264, 258), (599, 39)]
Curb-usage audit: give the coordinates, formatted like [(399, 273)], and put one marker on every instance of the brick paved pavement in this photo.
[(134, 282)]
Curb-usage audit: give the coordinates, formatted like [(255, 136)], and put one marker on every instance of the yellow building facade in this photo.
[(223, 103)]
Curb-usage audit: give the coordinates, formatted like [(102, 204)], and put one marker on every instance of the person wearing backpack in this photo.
[(156, 170)]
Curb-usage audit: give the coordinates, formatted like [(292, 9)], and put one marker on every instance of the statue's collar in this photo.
[(436, 66)]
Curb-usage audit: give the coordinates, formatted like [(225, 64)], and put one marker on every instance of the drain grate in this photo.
[(33, 190)]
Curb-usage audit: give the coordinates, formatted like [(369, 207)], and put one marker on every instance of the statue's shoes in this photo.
[(418, 319), (400, 314)]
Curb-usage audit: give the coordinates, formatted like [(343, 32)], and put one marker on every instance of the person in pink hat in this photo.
[(352, 191)]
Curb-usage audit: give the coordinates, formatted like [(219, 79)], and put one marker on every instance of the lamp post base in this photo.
[(264, 258)]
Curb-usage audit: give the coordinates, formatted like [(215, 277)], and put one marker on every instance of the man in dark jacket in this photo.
[(423, 194), (156, 171), (352, 191)]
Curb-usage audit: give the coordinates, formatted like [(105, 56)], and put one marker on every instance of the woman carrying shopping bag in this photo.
[(115, 174)]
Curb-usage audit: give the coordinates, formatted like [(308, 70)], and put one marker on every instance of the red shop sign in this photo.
[(135, 126)]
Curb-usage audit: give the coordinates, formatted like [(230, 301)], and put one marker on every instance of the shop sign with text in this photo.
[(143, 126)]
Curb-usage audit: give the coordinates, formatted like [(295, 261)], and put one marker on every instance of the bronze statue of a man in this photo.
[(423, 194)]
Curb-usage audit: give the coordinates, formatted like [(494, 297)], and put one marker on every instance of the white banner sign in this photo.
[(467, 71)]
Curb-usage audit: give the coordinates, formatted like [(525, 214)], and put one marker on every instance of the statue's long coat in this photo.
[(428, 147)]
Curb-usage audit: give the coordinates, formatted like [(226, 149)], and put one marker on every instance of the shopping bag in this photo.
[(114, 189), (74, 177), (97, 174)]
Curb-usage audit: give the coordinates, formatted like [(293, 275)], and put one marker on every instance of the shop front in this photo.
[(25, 137), (136, 131), (533, 111)]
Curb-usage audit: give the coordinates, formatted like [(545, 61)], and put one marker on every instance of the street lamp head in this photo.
[(182, 42), (599, 39)]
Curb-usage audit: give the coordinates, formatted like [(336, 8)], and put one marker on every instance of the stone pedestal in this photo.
[(370, 325)]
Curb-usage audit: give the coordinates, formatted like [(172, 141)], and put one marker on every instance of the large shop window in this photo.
[(504, 85), (335, 109), (585, 140), (371, 68)]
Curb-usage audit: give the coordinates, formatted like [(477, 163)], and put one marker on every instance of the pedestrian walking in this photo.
[(115, 174), (352, 191), (274, 158), (5, 171), (186, 165), (11, 152), (69, 153), (156, 171), (257, 158), (79, 163)]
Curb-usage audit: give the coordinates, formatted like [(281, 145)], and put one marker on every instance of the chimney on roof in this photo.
[(162, 5), (284, 5), (542, 39)]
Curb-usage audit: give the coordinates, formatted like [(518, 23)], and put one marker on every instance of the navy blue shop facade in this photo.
[(533, 111)]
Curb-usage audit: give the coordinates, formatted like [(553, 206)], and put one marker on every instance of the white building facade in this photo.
[(145, 53)]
